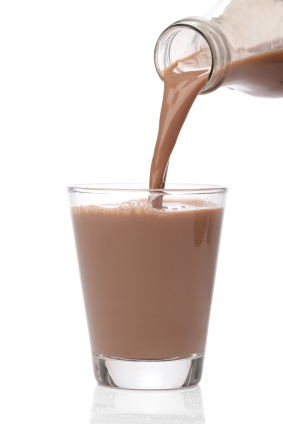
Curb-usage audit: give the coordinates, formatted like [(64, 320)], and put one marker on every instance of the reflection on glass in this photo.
[(116, 406)]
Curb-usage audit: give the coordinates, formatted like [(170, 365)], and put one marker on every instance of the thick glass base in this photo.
[(148, 375)]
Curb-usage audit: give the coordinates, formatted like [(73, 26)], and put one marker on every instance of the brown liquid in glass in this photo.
[(146, 289)]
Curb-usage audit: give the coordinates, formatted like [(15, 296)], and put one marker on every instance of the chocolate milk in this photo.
[(258, 75), (183, 81), (147, 276), (147, 273)]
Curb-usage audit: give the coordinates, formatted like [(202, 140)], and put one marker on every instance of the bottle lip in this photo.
[(173, 26), (217, 43)]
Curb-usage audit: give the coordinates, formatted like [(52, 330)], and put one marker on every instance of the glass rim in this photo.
[(143, 187)]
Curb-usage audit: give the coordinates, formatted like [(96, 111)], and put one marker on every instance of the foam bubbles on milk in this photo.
[(141, 206)]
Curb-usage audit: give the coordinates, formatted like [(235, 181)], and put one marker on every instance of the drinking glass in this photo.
[(147, 262)]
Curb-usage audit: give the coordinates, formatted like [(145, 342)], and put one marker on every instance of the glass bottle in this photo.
[(245, 41)]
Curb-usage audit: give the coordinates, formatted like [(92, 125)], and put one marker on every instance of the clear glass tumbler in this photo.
[(147, 276)]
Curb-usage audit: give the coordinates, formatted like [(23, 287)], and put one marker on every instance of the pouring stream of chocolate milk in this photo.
[(183, 81), (261, 74)]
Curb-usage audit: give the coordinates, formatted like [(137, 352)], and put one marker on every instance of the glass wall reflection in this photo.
[(115, 406)]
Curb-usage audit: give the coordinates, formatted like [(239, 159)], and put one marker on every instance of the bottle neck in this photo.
[(188, 36)]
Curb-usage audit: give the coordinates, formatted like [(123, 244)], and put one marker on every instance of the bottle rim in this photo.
[(217, 43)]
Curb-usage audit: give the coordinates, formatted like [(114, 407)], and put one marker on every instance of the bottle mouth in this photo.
[(188, 37), (178, 42)]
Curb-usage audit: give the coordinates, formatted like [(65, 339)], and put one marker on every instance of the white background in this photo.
[(79, 102)]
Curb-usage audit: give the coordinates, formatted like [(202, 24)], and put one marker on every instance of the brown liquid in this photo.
[(180, 91), (147, 273), (260, 75), (147, 277)]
